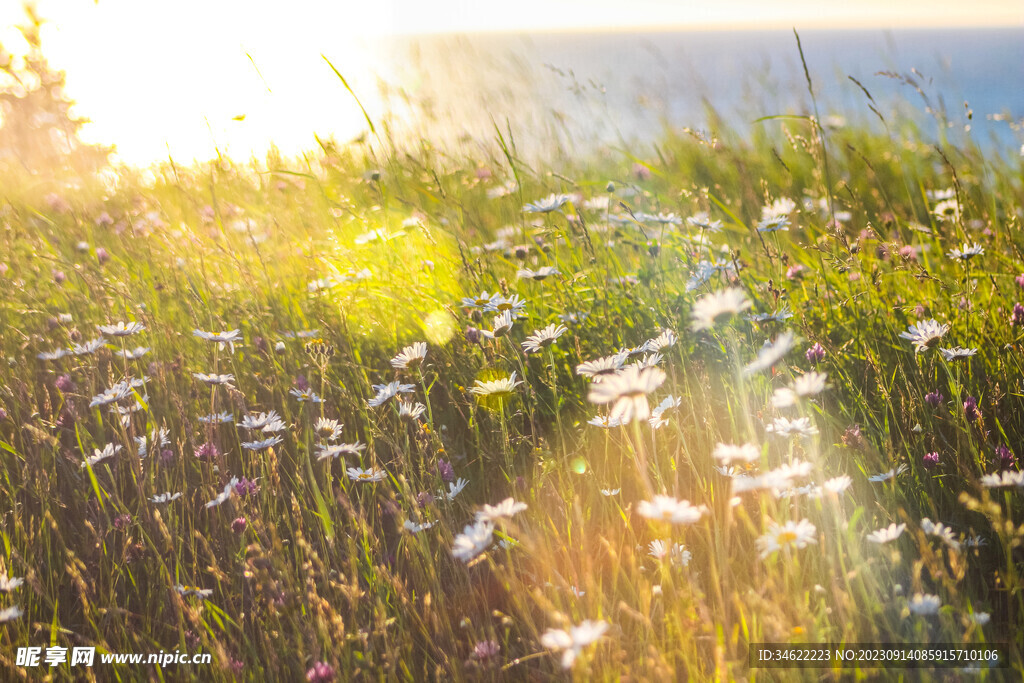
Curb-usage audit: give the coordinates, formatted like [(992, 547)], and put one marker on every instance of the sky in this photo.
[(164, 78)]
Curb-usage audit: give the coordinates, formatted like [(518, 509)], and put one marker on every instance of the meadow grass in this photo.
[(329, 266)]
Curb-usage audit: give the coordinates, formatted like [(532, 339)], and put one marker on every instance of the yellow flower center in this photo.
[(786, 537)]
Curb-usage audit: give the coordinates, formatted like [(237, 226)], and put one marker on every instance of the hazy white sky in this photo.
[(158, 76)]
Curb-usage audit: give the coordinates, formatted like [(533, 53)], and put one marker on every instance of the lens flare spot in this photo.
[(579, 466), (439, 327)]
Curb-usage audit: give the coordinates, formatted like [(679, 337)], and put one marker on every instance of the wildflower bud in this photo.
[(64, 383), (3, 414), (166, 455), (446, 471), (522, 251), (794, 272), (971, 411), (121, 522), (475, 315), (1006, 457), (279, 347), (815, 354), (207, 452), (261, 344), (473, 335), (852, 437), (424, 499), (920, 310), (239, 525), (1019, 278), (934, 399), (301, 383), (610, 188), (4, 268), (1017, 317), (102, 255), (59, 277), (321, 672), (930, 460)]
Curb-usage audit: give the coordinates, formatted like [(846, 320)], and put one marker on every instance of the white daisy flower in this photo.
[(218, 418), (305, 395), (118, 392), (506, 508), (702, 221), (663, 341), (8, 584), (229, 337), (950, 355), (966, 252), (940, 531), (598, 369), (260, 421), (158, 438), (779, 315), (410, 356), (925, 335), (571, 643), (214, 380), (513, 304), (924, 604), (501, 326), (328, 429), (627, 391), (608, 493), (121, 329), (223, 496), (385, 392), (948, 210), (260, 445), (808, 384), (498, 388), (778, 537), (165, 497), (669, 509), (552, 202), (771, 353), (543, 338), (410, 411), (325, 451), (886, 534), (132, 354), (56, 354), (89, 347), (540, 274), (980, 618), (370, 474), (474, 539), (657, 549), (186, 591), (10, 613), (414, 528), (891, 474), (784, 427), (648, 361), (706, 270), (454, 489), (479, 301), (1004, 479), (773, 224), (604, 422), (717, 307)]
